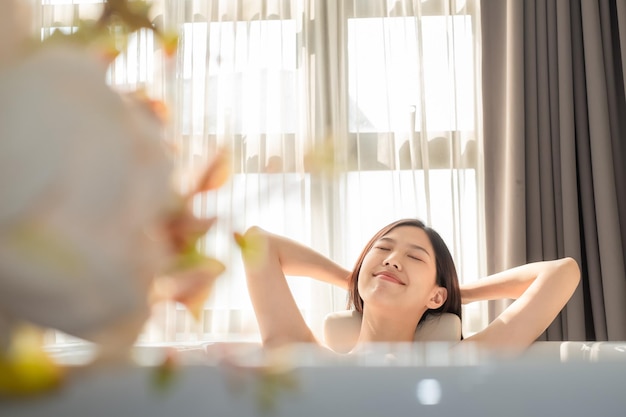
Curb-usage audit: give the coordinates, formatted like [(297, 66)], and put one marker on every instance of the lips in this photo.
[(388, 276)]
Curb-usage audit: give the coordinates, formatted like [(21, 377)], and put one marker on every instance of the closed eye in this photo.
[(416, 258), (382, 248)]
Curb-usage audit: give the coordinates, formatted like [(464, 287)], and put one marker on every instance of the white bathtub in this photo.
[(551, 379)]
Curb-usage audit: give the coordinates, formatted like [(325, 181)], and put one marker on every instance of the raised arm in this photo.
[(278, 316), (540, 290), (299, 260)]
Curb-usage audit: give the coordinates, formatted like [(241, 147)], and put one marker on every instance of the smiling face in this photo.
[(399, 273)]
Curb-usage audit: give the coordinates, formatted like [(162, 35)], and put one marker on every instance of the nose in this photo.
[(392, 261)]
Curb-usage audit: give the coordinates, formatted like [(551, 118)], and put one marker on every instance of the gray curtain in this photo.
[(555, 152)]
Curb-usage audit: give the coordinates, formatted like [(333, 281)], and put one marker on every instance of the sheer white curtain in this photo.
[(391, 87)]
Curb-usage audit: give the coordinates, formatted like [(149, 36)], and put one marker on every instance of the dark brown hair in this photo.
[(446, 271)]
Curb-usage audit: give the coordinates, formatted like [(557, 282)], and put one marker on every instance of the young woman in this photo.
[(404, 273)]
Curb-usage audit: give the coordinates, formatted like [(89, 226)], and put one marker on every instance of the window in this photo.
[(413, 129), (393, 83)]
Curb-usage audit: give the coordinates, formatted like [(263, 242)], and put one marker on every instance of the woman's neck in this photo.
[(388, 327)]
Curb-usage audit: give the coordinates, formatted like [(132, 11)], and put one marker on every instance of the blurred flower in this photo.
[(82, 172), (166, 372), (217, 173), (190, 281), (156, 108), (25, 369), (272, 381), (169, 41), (128, 15), (88, 216), (253, 246), (275, 376)]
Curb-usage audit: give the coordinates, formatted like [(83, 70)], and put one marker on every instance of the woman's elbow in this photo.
[(256, 246), (570, 271), (254, 230), (256, 236)]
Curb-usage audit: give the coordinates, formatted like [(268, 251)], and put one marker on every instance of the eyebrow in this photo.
[(413, 246)]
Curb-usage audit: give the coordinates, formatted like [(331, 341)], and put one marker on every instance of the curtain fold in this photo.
[(341, 116), (554, 106)]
